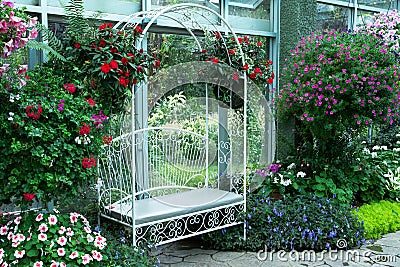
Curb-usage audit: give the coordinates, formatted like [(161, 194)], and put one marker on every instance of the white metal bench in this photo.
[(175, 195)]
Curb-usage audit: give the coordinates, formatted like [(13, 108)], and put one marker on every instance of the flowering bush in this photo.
[(112, 64), (16, 28), (225, 50), (52, 132), (385, 164), (335, 84), (276, 176), (385, 25), (50, 239), (296, 222)]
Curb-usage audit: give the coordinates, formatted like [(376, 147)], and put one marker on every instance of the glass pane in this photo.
[(386, 4), (120, 7), (27, 2), (332, 17), (363, 17), (251, 15), (213, 4)]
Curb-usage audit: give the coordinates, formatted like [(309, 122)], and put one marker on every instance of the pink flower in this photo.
[(19, 254), (86, 259), (38, 264), (43, 228), (62, 241), (53, 219), (60, 252), (42, 237), (3, 230), (39, 217), (73, 255)]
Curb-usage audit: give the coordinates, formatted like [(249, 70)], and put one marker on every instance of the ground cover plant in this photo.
[(379, 218), (297, 222)]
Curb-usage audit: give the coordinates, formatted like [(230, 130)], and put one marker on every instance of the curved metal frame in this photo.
[(135, 20)]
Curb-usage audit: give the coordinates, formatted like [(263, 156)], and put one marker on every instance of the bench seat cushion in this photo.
[(168, 206)]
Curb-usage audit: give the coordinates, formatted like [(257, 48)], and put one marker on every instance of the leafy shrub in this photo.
[(50, 240), (336, 85), (297, 222), (121, 253), (379, 218), (52, 132)]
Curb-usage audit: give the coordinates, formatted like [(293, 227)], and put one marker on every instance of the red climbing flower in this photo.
[(88, 163), (85, 129), (31, 114)]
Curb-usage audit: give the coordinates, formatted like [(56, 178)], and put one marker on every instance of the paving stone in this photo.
[(167, 259), (199, 258), (247, 259), (227, 256), (189, 252)]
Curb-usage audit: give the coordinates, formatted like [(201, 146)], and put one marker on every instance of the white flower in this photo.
[(17, 97), (78, 140), (19, 254), (285, 182), (291, 166), (374, 155), (384, 147), (398, 135), (301, 174), (11, 114), (52, 219), (396, 149), (398, 142), (10, 118), (376, 148), (11, 99)]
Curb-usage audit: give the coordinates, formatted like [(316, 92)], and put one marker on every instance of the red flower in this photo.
[(259, 43), (107, 140), (124, 82), (246, 39), (269, 62), (253, 75), (240, 40), (109, 25), (77, 45), (203, 51), (91, 102), (114, 64), (231, 51), (270, 80), (124, 60), (273, 75), (70, 87), (34, 115), (130, 55), (235, 76), (217, 35), (105, 68), (28, 197), (85, 129), (102, 43), (245, 67), (103, 26), (257, 70), (88, 163), (113, 50), (214, 60), (158, 63), (138, 30), (139, 68)]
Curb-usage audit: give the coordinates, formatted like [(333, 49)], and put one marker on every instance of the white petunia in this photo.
[(291, 166), (301, 174)]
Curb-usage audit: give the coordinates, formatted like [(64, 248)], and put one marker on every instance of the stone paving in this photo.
[(384, 252)]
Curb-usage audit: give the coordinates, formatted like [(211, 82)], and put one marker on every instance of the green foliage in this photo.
[(36, 239), (44, 148), (45, 47), (78, 26), (379, 218), (296, 222), (120, 252)]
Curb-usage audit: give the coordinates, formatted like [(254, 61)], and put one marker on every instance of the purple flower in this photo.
[(274, 167)]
